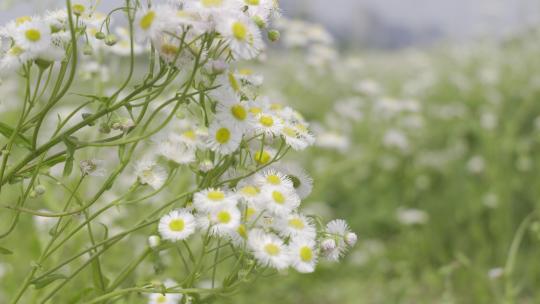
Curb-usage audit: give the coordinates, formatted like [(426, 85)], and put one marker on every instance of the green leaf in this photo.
[(71, 146), (7, 131), (46, 280), (5, 251)]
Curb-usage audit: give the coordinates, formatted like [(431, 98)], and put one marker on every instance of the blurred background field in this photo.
[(428, 134)]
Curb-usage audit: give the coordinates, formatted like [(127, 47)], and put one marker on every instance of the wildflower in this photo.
[(221, 220), (149, 173), (279, 202), (223, 138), (241, 34), (296, 225), (273, 179), (268, 249), (303, 254), (34, 37), (177, 225), (213, 198)]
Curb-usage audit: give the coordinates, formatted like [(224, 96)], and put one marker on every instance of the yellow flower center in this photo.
[(239, 112), (306, 254), (245, 72), (211, 3), (271, 249), (239, 31), (262, 157), (242, 231), (296, 223), (169, 49), (216, 195), (78, 8), (147, 20), (255, 110), (250, 190), (177, 225), (224, 217), (162, 299), (250, 212), (234, 83), (278, 197), (190, 134), (252, 2), (15, 51), (223, 135), (289, 131), (273, 179), (276, 106), (266, 121), (33, 35), (22, 20)]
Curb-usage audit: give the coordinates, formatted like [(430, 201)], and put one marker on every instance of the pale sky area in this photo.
[(379, 23)]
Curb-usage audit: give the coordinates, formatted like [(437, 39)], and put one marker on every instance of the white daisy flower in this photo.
[(303, 254), (237, 113), (174, 149), (149, 173), (248, 191), (221, 220), (242, 35), (278, 201), (33, 36), (11, 61), (338, 228), (268, 123), (268, 249), (228, 88), (293, 138), (150, 23), (273, 179), (211, 9), (212, 198), (177, 225), (223, 138), (296, 225)]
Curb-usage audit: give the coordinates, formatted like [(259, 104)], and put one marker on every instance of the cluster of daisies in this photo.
[(261, 215)]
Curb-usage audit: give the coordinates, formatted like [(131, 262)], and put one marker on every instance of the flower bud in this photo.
[(219, 66), (78, 9), (206, 165), (274, 35), (328, 244), (111, 39), (87, 50), (259, 22), (154, 241), (100, 35), (351, 238), (40, 189)]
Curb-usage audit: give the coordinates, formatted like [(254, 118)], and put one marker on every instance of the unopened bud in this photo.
[(87, 50), (351, 238), (100, 35), (154, 241), (328, 244), (274, 35), (206, 165), (259, 22), (40, 189), (111, 40), (219, 66)]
